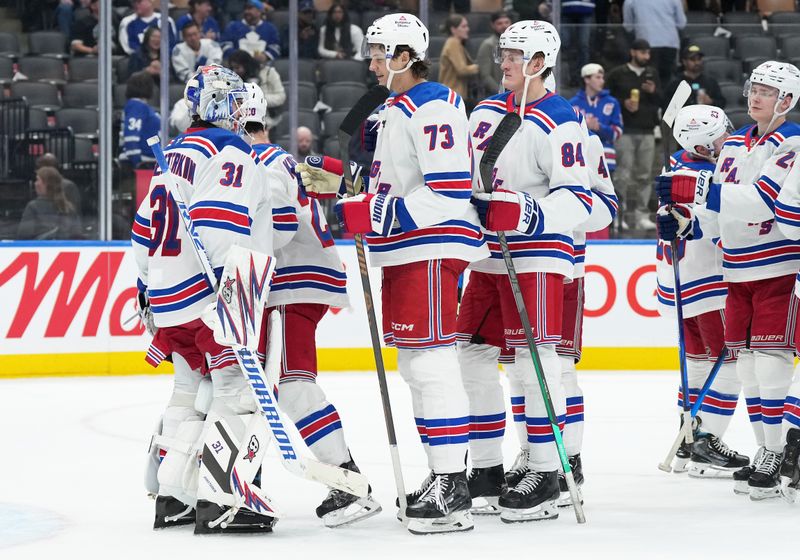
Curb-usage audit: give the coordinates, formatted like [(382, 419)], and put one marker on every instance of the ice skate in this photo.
[(790, 466), (443, 507), (171, 512), (518, 469), (682, 456), (340, 508), (712, 458), (532, 499), (412, 497), (485, 486), (764, 482), (576, 466), (214, 518), (742, 476)]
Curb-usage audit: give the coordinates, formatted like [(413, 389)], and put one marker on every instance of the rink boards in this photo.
[(68, 308)]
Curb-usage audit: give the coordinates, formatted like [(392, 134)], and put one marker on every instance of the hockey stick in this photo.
[(666, 464), (336, 477), (357, 115), (678, 100), (501, 136)]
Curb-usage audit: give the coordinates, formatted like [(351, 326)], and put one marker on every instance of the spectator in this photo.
[(132, 28), (253, 35), (490, 72), (576, 19), (200, 13), (305, 143), (70, 188), (194, 51), (455, 65), (533, 9), (308, 34), (179, 117), (65, 15), (637, 85), (267, 78), (600, 109), (83, 39), (705, 89), (458, 5), (50, 215), (147, 58), (139, 121), (338, 38), (658, 22)]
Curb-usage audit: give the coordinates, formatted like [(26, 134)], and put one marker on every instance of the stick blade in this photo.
[(679, 99), (502, 135), (362, 109)]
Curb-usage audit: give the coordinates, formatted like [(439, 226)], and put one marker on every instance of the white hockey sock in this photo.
[(573, 428), (404, 368), (791, 408), (696, 372), (774, 373), (745, 370), (720, 402), (487, 412), (517, 390)]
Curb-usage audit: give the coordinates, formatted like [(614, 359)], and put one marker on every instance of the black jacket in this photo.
[(707, 83), (620, 81)]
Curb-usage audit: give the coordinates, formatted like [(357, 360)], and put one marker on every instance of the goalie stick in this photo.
[(502, 135), (263, 392), (363, 108)]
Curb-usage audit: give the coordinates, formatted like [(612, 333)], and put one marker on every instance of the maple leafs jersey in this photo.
[(422, 155), (702, 286), (309, 268), (545, 158), (228, 206)]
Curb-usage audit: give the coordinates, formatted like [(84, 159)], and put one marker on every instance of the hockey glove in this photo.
[(683, 187), (323, 177), (367, 213), (504, 210), (145, 313), (675, 223)]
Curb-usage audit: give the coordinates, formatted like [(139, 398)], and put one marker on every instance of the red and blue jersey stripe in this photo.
[(453, 184), (452, 231), (549, 245), (540, 430), (487, 426), (791, 410), (760, 255), (719, 403), (179, 296), (284, 218), (221, 215), (772, 411), (691, 292), (316, 426), (447, 431), (308, 276), (140, 232), (785, 214)]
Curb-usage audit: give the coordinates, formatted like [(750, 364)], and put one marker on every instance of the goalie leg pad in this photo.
[(177, 475), (774, 370)]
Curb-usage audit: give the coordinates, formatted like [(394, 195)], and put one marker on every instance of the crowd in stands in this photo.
[(621, 61)]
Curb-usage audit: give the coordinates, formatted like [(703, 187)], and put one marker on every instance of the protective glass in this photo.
[(372, 50), (511, 55)]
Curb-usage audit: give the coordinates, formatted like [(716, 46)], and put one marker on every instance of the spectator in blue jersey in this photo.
[(252, 34), (307, 32), (600, 109), (576, 19), (139, 121), (148, 57), (133, 27), (200, 13)]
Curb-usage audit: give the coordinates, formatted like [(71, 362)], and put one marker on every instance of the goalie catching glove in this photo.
[(684, 187), (323, 177), (674, 223), (504, 210)]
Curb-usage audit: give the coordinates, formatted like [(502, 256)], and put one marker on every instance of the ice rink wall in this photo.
[(68, 308)]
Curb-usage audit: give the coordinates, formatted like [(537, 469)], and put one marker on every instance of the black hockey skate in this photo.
[(764, 482), (412, 497), (340, 508), (485, 486), (443, 507), (742, 476), (518, 469), (214, 518), (576, 466), (711, 458), (171, 512), (790, 466), (682, 456), (532, 499)]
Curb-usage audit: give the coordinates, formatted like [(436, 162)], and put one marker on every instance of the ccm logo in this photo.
[(402, 327)]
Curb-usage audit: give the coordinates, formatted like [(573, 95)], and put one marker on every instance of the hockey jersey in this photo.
[(422, 155), (309, 268), (132, 28), (607, 110), (139, 122), (748, 178), (545, 158), (702, 286), (219, 177)]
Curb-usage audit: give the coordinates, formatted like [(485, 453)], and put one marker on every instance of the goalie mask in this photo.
[(215, 93)]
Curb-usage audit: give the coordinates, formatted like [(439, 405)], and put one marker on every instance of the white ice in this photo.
[(73, 452)]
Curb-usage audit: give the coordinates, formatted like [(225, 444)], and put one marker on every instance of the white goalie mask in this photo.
[(254, 106), (392, 31), (701, 125), (782, 76), (215, 93)]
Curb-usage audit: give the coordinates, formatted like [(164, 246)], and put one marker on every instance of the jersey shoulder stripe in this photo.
[(496, 103), (140, 232), (268, 153), (211, 141), (685, 160)]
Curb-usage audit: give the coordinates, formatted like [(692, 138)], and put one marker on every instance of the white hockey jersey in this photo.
[(748, 179), (545, 158), (217, 171), (422, 155), (309, 268), (702, 286)]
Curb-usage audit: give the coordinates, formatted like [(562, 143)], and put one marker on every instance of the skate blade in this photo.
[(759, 494), (703, 470), (565, 500), (362, 509), (789, 493), (453, 523), (485, 505), (741, 488), (679, 465), (545, 510)]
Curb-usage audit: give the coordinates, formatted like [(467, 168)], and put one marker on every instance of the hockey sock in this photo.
[(487, 413), (720, 402), (791, 408), (404, 368), (517, 402), (573, 428), (774, 373), (745, 370), (696, 372)]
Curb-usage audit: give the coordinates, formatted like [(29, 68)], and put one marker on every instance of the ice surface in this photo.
[(73, 452)]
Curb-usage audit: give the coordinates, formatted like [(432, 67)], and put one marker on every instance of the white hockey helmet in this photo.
[(782, 76), (700, 125), (530, 37), (254, 106), (215, 93), (393, 30)]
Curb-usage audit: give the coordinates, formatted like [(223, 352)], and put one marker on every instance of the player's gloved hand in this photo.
[(367, 213), (674, 223), (684, 186), (145, 313), (504, 210), (323, 177), (369, 137)]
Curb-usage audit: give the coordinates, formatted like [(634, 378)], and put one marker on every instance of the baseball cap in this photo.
[(255, 4), (640, 45), (591, 69), (305, 6), (690, 51)]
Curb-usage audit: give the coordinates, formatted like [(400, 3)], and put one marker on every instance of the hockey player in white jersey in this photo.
[(309, 279), (539, 196), (701, 131), (217, 171), (759, 261)]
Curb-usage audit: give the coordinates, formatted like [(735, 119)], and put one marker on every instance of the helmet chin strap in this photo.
[(393, 72), (528, 78)]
